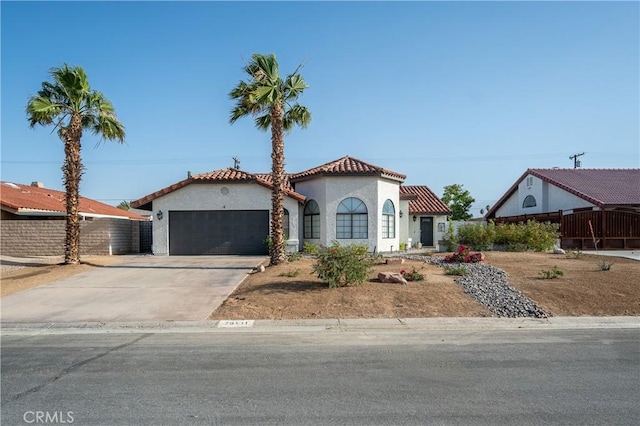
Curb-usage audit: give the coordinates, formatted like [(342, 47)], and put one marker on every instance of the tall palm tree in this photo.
[(272, 102), (71, 106)]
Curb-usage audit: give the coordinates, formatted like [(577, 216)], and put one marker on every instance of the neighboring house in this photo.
[(347, 200), (33, 223), (608, 198)]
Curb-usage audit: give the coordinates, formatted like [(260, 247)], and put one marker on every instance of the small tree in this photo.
[(124, 205), (459, 201)]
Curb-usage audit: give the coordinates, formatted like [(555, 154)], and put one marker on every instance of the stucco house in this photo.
[(347, 200), (33, 223), (608, 198)]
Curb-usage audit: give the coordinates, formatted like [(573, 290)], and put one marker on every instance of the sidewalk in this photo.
[(323, 325)]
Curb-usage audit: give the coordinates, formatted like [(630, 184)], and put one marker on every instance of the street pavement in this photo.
[(349, 376), (145, 288)]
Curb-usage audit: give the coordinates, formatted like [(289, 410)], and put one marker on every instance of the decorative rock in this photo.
[(394, 261), (391, 277), (558, 250), (489, 286), (260, 268)]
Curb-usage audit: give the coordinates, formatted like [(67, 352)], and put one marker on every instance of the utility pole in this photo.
[(576, 162), (236, 163)]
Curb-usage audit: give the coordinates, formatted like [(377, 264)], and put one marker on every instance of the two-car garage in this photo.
[(206, 232)]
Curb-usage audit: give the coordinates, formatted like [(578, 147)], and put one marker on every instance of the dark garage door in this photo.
[(218, 232)]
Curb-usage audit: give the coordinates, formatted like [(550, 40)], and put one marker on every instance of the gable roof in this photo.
[(602, 187), (423, 200), (228, 175), (347, 166), (30, 200)]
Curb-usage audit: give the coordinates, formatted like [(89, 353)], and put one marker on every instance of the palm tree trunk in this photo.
[(72, 171), (277, 196)]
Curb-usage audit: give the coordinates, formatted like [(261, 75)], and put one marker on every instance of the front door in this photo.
[(426, 231)]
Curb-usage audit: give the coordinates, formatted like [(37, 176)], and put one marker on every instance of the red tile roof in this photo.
[(19, 198), (602, 187), (347, 166), (220, 176), (423, 200)]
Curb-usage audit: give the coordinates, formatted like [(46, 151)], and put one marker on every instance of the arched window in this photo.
[(529, 201), (388, 220), (285, 224), (311, 220), (351, 219)]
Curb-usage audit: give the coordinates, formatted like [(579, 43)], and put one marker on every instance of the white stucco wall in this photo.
[(240, 196), (329, 191), (549, 198), (414, 228)]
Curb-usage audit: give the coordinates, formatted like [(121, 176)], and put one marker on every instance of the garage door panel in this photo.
[(218, 232)]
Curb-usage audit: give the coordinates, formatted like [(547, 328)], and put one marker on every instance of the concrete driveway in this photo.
[(159, 288)]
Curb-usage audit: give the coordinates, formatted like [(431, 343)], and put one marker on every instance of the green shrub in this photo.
[(573, 253), (605, 265), (310, 248), (455, 270), (477, 235), (413, 275), (403, 246), (293, 256), (343, 265), (551, 274), (533, 235), (290, 274)]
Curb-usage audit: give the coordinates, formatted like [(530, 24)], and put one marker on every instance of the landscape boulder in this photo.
[(391, 277)]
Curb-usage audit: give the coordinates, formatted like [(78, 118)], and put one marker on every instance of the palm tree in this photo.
[(272, 102), (71, 106)]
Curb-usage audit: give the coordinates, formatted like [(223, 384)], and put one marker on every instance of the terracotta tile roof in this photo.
[(602, 187), (220, 176), (423, 200), (347, 166), (19, 198)]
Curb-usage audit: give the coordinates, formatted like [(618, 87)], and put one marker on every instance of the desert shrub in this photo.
[(551, 274), (413, 275), (573, 253), (290, 274), (455, 270), (477, 235), (533, 235), (343, 265), (310, 248), (605, 265), (450, 240), (403, 246), (268, 243), (293, 256)]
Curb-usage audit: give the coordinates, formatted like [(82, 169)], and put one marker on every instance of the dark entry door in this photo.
[(426, 231), (218, 232)]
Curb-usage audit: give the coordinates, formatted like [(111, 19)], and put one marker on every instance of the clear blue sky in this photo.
[(444, 92)]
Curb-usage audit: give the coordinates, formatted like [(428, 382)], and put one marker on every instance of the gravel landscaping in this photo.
[(489, 286)]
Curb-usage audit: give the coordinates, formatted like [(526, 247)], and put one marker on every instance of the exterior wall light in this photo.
[(159, 215), (414, 218), (401, 214)]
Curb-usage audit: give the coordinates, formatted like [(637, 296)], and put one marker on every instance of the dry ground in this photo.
[(22, 274), (583, 290)]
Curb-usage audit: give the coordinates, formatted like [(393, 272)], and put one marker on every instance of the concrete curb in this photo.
[(323, 325)]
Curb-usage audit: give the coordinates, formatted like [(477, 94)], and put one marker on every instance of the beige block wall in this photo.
[(46, 237)]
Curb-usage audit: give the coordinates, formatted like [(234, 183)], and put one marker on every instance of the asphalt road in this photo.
[(363, 377)]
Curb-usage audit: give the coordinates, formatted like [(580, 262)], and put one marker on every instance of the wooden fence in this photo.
[(613, 230)]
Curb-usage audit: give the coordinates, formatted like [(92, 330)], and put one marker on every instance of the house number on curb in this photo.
[(238, 323)]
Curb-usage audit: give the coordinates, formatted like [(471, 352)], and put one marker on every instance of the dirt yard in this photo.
[(18, 274), (583, 290)]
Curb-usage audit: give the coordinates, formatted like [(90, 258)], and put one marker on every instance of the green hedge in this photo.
[(533, 235)]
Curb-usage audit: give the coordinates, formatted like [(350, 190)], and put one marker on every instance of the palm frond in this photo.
[(263, 122), (296, 115)]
